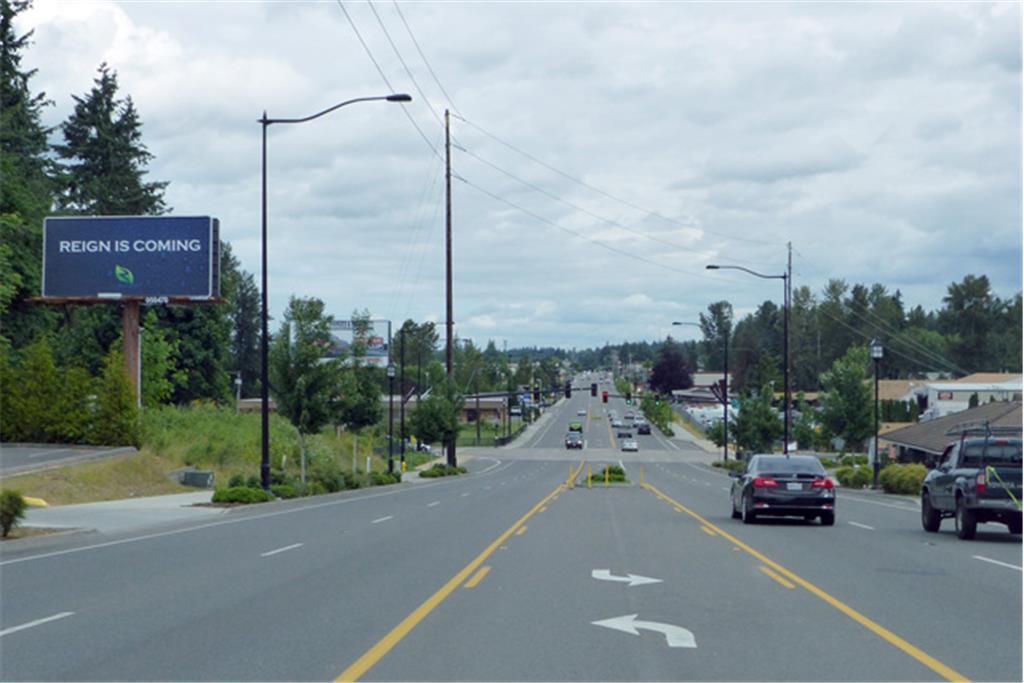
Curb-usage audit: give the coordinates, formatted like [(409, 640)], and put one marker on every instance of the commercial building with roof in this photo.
[(924, 442), (943, 398)]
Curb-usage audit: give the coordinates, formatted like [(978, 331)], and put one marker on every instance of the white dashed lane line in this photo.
[(861, 526), (37, 622), (382, 519), (436, 502), (1001, 564), (293, 546)]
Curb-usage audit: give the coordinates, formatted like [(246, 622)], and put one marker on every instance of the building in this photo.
[(924, 442), (944, 398)]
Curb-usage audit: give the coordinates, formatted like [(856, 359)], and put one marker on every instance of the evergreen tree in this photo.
[(32, 394), (26, 185), (848, 403), (717, 328), (104, 159), (669, 371), (116, 422), (757, 425), (245, 334), (73, 418)]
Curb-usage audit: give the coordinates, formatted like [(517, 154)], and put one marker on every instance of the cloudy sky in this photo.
[(882, 139)]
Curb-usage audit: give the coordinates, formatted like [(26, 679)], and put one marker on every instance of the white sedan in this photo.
[(582, 412), (630, 445)]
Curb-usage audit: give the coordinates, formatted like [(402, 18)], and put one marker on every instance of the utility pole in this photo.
[(448, 262), (785, 350), (401, 391)]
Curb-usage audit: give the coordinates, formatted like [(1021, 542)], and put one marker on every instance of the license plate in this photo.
[(794, 486)]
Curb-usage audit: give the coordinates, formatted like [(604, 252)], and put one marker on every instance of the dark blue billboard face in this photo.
[(130, 256)]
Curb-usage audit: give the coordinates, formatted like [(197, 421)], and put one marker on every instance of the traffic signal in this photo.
[(536, 394), (604, 397), (629, 398), (593, 389), (568, 389)]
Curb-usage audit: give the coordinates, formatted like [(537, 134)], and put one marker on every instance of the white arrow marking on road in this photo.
[(631, 579), (677, 636)]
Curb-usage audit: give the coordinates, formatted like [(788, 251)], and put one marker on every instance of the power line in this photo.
[(384, 77), (424, 57), (604, 193)]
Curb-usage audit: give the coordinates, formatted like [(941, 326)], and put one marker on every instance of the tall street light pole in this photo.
[(877, 351), (786, 278), (725, 391), (264, 340)]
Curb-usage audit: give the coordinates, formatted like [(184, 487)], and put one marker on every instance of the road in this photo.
[(508, 574), (18, 459)]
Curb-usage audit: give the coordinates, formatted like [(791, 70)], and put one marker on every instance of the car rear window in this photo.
[(1008, 454), (783, 465)]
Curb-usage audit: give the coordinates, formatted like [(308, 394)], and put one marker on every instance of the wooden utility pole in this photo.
[(448, 264)]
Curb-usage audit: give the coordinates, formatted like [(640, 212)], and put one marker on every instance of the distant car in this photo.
[(643, 428), (617, 423), (797, 485), (575, 426), (623, 434), (515, 411), (630, 445), (630, 416), (574, 440), (582, 412)]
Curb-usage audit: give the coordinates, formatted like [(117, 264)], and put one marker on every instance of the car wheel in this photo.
[(931, 519), (966, 522), (828, 518), (749, 516), (732, 504)]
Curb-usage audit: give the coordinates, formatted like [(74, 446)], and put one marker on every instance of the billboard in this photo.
[(366, 337), (131, 256)]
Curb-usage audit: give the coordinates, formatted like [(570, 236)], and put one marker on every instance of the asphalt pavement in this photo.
[(507, 574), (18, 459)]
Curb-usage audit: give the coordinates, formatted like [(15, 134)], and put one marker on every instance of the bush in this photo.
[(283, 490), (614, 472), (383, 478), (329, 477), (730, 465), (902, 478), (854, 477), (443, 470), (12, 510), (828, 462), (315, 488), (853, 460), (240, 494), (236, 480)]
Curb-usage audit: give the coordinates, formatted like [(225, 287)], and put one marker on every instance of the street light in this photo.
[(877, 351), (264, 341), (786, 278), (725, 393)]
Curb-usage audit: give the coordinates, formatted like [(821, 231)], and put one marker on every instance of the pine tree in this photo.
[(117, 416), (32, 394), (104, 157)]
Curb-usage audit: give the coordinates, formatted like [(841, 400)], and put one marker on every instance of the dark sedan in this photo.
[(783, 486)]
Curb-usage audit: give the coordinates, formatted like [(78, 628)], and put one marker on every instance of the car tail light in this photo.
[(980, 482), (764, 482), (822, 483)]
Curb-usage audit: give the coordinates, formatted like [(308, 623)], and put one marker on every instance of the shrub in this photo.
[(315, 488), (240, 494), (329, 476), (236, 480), (443, 470), (902, 478), (383, 478), (283, 490), (254, 482), (843, 475), (730, 465), (854, 477), (12, 510), (614, 472), (828, 462), (851, 460)]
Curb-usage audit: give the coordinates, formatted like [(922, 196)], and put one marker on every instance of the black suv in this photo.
[(977, 480)]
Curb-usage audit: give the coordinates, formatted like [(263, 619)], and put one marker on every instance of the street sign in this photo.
[(117, 257)]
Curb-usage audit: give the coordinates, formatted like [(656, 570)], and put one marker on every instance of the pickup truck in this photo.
[(976, 480)]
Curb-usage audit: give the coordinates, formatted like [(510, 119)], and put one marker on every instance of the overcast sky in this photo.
[(882, 139)]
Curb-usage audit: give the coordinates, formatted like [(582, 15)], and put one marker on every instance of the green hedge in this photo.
[(730, 465), (854, 477), (443, 470), (902, 478), (240, 494)]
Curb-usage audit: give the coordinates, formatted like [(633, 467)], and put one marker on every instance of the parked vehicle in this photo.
[(796, 485), (977, 480)]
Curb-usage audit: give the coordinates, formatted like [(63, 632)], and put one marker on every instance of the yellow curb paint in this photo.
[(478, 577), (35, 502), (393, 637), (776, 577), (521, 531), (885, 634)]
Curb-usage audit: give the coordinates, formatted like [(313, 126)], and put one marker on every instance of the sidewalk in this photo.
[(124, 515)]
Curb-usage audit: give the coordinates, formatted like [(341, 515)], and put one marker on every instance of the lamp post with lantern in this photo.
[(877, 351)]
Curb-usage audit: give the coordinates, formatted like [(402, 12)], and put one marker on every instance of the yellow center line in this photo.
[(778, 578), (708, 531), (377, 652), (920, 655), (478, 577)]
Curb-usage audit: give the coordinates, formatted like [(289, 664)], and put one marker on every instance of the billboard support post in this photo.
[(130, 333)]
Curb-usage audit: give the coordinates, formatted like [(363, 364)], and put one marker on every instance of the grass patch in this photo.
[(29, 532), (123, 476), (488, 432)]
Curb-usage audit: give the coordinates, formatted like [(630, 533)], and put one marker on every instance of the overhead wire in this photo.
[(424, 57), (366, 48)]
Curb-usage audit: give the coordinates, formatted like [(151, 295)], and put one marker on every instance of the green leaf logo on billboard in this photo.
[(123, 275)]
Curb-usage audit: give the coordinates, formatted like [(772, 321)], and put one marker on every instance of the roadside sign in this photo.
[(131, 256)]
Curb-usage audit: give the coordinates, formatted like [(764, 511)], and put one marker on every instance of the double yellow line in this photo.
[(772, 567)]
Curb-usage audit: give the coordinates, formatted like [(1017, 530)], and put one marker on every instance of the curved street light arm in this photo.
[(391, 98), (748, 270)]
